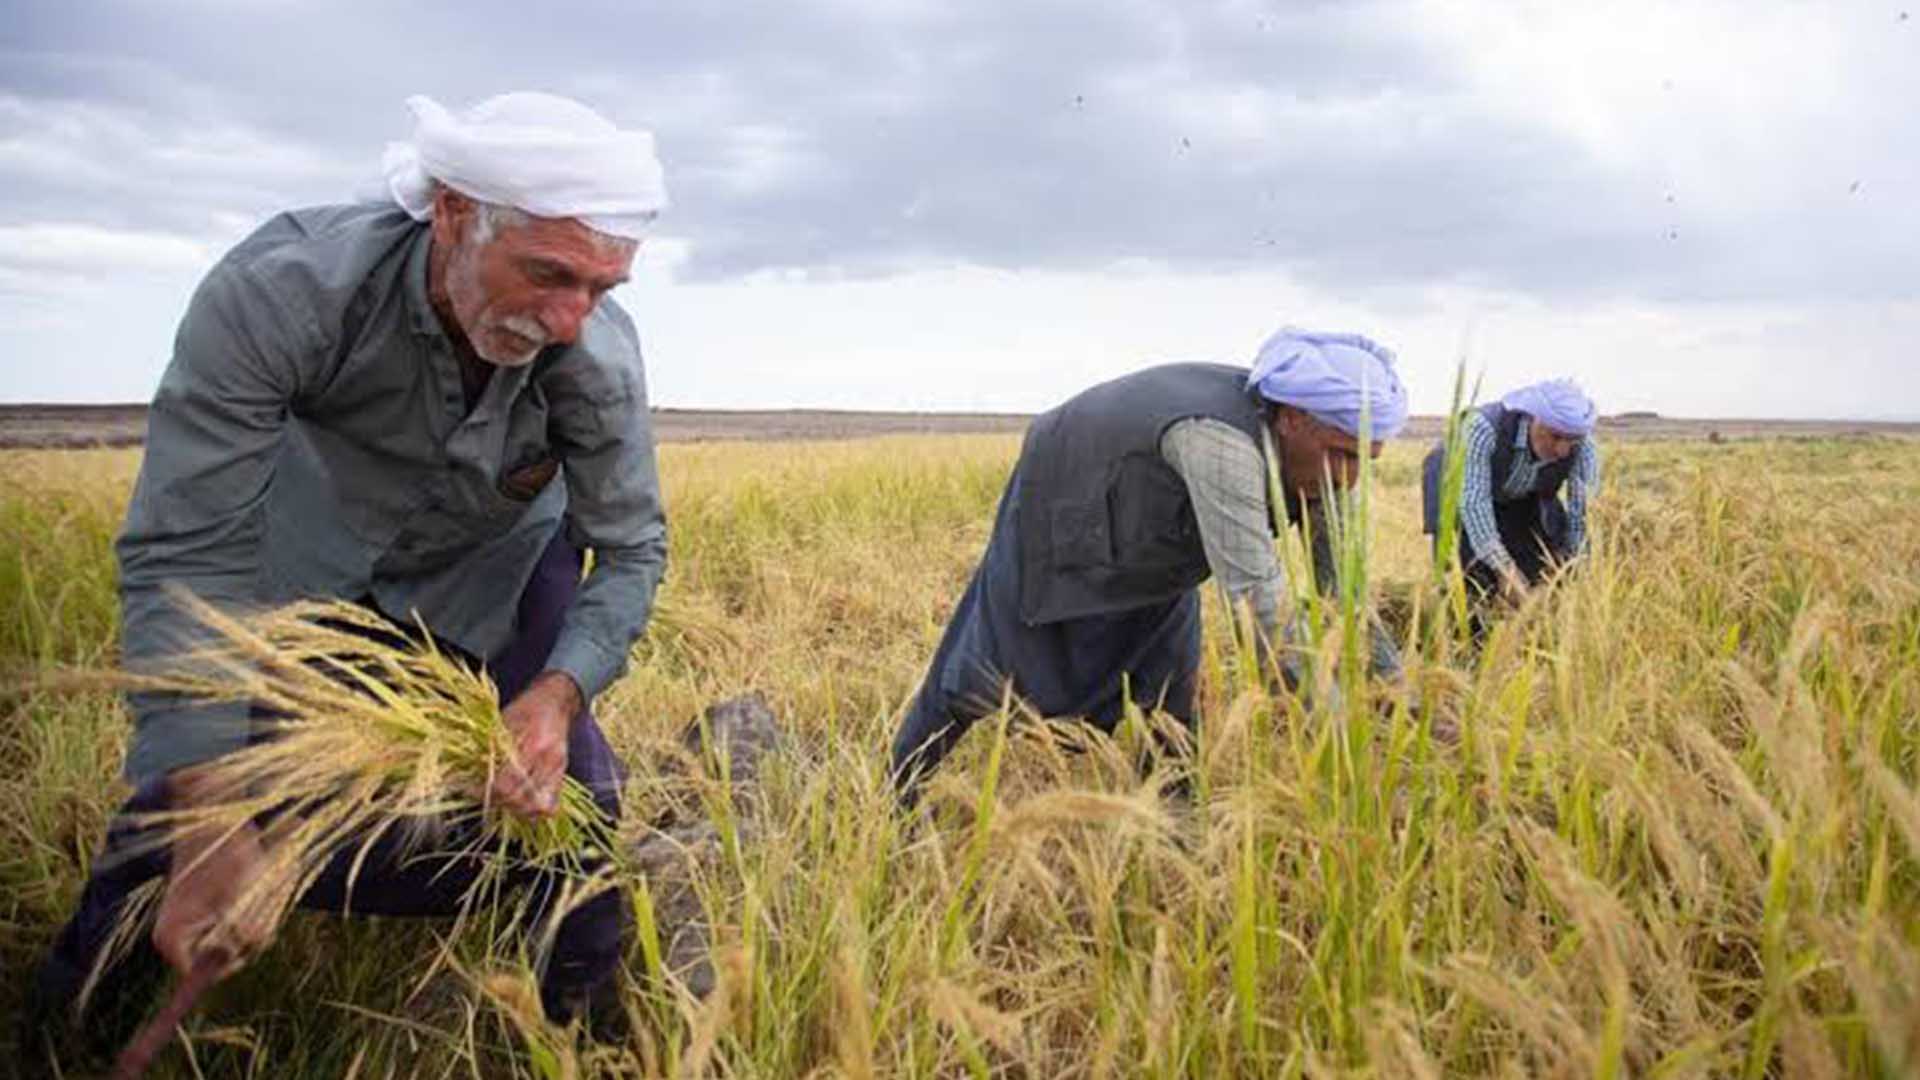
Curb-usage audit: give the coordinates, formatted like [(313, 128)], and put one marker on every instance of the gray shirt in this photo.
[(310, 438), (1226, 477)]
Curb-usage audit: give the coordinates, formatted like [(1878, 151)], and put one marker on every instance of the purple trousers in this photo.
[(586, 947)]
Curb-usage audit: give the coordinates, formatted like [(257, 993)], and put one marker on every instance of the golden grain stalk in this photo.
[(361, 734)]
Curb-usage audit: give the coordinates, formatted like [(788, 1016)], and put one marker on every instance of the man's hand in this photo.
[(1512, 589), (206, 906), (538, 720)]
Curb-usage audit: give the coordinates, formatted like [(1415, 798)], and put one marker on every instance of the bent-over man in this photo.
[(426, 404), (1124, 500), (1521, 453)]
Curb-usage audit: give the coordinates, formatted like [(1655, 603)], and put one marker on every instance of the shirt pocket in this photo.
[(501, 512), (527, 460), (515, 493), (524, 483), (1081, 532), (1152, 514)]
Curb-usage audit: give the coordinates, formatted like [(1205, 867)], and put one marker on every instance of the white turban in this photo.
[(1332, 376), (549, 156), (1558, 403)]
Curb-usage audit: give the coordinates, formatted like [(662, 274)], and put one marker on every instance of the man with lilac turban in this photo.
[(1124, 500), (1521, 453), (425, 403)]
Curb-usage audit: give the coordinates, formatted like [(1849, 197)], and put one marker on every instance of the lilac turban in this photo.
[(1558, 403), (1332, 376)]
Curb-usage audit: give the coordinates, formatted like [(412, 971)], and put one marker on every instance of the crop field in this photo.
[(1678, 833)]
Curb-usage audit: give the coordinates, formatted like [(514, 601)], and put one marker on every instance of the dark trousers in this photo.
[(1086, 667), (1534, 532), (586, 946), (1533, 529)]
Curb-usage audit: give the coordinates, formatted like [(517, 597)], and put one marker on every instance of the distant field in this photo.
[(1679, 835), (80, 426)]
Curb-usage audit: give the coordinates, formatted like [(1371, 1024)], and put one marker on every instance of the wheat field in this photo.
[(1679, 833)]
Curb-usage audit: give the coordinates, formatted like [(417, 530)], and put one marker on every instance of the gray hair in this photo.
[(490, 218)]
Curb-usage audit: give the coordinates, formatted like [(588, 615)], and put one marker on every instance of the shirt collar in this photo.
[(426, 322), (414, 280), (1521, 435)]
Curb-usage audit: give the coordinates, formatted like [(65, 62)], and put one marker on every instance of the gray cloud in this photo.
[(1339, 142)]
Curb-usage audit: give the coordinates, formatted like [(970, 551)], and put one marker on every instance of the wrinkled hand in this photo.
[(538, 721), (209, 905)]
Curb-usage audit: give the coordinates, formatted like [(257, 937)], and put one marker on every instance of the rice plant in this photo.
[(1678, 833), (358, 734)]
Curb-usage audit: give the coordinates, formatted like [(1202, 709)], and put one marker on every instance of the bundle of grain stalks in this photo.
[(359, 734)]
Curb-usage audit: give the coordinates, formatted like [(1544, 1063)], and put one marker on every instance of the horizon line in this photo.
[(1625, 416)]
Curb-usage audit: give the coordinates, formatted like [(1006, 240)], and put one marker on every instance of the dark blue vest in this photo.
[(1506, 428), (1105, 523)]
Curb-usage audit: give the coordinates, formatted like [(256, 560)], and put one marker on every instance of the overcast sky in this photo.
[(1706, 209)]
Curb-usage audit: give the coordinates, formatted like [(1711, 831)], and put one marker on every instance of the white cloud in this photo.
[(981, 339), (1736, 106), (760, 158), (52, 140), (959, 205), (661, 258), (117, 163), (80, 247)]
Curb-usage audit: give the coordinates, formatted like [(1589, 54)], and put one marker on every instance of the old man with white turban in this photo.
[(425, 403), (1124, 500), (1522, 454)]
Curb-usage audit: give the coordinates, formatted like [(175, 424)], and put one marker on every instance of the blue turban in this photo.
[(1558, 403), (1332, 376)]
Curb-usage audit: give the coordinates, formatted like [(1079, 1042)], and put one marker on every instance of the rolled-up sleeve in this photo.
[(1476, 497), (197, 514), (1581, 486), (604, 437), (1226, 480)]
